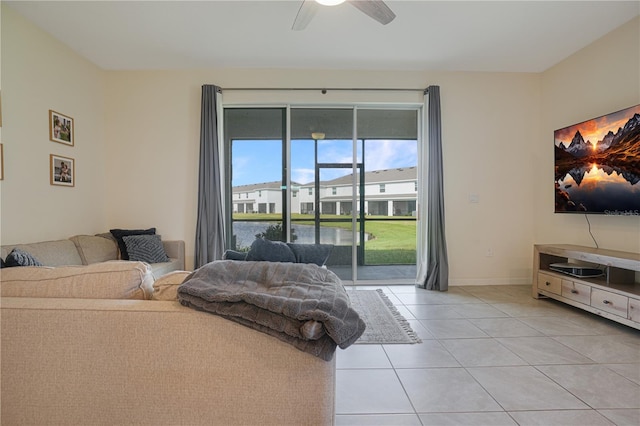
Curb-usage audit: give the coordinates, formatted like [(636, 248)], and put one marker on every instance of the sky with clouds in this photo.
[(261, 161), (594, 130)]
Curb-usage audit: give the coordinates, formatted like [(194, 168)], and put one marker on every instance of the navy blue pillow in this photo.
[(270, 251), (311, 253), (234, 255)]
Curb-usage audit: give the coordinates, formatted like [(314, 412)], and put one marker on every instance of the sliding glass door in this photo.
[(322, 165), (342, 176)]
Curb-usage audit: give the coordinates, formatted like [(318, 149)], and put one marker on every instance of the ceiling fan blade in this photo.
[(376, 9), (306, 12)]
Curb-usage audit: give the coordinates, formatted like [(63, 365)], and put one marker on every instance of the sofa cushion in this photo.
[(270, 251), (49, 253), (166, 287), (120, 233), (145, 248), (106, 280), (311, 253), (19, 257), (94, 249), (163, 268)]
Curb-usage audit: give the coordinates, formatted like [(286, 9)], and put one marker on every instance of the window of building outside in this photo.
[(415, 186), (334, 190), (382, 188)]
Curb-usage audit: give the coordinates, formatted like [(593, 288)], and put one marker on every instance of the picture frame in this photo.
[(61, 128), (62, 170), (1, 161)]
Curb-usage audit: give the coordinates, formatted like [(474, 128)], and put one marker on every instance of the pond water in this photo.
[(245, 233)]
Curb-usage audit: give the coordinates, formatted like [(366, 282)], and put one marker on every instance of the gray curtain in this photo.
[(210, 235), (437, 263)]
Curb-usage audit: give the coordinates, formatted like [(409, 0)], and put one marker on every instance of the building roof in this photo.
[(377, 176)]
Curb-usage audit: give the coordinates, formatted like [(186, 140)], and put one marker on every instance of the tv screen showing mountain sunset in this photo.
[(597, 165)]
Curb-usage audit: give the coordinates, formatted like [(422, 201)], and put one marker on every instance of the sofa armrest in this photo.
[(175, 250)]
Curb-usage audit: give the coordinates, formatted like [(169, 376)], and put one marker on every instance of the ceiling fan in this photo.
[(375, 9)]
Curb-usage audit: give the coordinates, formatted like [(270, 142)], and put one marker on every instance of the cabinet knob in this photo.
[(547, 283), (574, 291), (606, 302)]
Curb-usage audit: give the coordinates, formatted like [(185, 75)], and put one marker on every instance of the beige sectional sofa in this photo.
[(87, 346), (90, 249)]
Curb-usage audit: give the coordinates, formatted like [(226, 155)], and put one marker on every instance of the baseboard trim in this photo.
[(490, 281), (453, 282)]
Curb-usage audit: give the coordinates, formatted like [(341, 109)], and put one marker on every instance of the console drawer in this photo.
[(549, 283), (634, 310), (576, 291), (609, 302)]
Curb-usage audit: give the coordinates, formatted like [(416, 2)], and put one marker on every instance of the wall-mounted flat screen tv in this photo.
[(597, 165)]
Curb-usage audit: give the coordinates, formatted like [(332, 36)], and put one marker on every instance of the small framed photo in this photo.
[(60, 128), (62, 170)]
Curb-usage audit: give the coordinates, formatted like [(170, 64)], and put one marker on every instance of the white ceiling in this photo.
[(519, 36)]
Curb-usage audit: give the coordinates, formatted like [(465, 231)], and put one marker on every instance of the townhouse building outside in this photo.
[(389, 192)]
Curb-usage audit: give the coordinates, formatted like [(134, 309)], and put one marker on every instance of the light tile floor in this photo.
[(492, 355)]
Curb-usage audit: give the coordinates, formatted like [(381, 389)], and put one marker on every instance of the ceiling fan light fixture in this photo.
[(330, 2)]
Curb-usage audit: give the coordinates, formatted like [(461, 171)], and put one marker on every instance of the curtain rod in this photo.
[(324, 90)]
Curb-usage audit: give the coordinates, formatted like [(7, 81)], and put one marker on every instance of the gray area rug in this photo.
[(385, 325)]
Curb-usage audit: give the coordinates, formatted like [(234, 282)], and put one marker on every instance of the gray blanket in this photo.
[(301, 304)]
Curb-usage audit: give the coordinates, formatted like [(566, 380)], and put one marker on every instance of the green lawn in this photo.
[(392, 242)]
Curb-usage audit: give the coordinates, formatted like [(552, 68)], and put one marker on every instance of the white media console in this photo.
[(614, 295)]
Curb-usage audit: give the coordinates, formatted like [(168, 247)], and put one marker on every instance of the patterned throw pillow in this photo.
[(19, 257), (145, 248), (119, 234)]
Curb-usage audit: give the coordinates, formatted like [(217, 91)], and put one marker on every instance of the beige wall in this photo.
[(603, 77), (38, 74), (490, 124), (138, 134)]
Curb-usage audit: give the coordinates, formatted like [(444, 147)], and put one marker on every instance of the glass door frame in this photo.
[(354, 165), (287, 189)]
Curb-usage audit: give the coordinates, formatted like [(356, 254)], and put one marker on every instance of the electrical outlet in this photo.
[(489, 252)]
